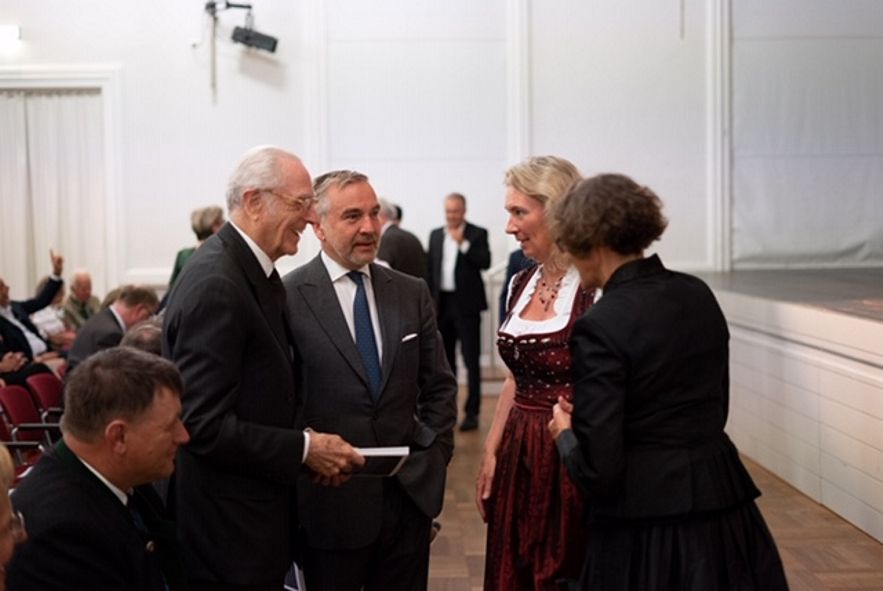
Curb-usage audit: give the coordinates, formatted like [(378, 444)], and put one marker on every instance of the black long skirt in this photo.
[(723, 551)]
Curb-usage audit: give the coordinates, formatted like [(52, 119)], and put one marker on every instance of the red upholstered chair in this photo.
[(23, 418), (24, 453), (48, 393)]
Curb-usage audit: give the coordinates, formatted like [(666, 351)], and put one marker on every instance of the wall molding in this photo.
[(719, 134), (106, 79), (518, 126), (315, 31)]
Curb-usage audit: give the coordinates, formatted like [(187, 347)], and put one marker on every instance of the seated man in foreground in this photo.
[(93, 520)]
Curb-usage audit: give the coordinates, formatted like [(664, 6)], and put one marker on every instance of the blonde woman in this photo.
[(11, 524), (535, 537)]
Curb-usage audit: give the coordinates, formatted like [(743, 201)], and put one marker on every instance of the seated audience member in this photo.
[(12, 530), (670, 505), (15, 367), (106, 329), (205, 221), (94, 521), (111, 297), (146, 336), (50, 320), (80, 305), (16, 327)]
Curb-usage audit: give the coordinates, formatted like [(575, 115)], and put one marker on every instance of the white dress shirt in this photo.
[(345, 288)]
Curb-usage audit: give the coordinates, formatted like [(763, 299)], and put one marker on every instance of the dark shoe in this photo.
[(470, 423)]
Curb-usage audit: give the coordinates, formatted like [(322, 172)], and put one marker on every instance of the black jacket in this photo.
[(651, 395), (80, 536)]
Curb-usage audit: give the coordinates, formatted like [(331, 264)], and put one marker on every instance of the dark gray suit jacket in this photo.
[(233, 490), (403, 251), (102, 331), (416, 406)]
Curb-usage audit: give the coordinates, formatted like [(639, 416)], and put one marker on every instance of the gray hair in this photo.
[(388, 210), (335, 178), (259, 168)]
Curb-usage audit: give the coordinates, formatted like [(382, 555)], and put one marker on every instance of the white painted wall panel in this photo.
[(804, 410), (433, 101), (847, 506), (849, 450), (617, 88), (384, 20), (804, 18), (807, 80), (860, 392), (853, 482)]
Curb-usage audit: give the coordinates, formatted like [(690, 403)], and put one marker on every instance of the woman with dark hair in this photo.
[(670, 505), (534, 535)]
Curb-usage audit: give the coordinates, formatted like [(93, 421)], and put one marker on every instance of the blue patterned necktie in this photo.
[(365, 342)]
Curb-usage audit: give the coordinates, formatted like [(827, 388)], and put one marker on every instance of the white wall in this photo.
[(424, 97), (806, 401), (807, 133)]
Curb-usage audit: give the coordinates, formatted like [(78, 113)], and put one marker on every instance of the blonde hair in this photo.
[(546, 179), (7, 469)]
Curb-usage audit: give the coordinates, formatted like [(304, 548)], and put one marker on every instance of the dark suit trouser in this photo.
[(19, 378), (398, 560), (455, 325), (196, 585)]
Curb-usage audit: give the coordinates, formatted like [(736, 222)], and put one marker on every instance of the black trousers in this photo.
[(398, 560), (454, 326)]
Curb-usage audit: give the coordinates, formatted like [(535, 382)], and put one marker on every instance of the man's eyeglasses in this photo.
[(305, 202)]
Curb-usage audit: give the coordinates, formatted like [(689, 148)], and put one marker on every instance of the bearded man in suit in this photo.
[(375, 372), (226, 329)]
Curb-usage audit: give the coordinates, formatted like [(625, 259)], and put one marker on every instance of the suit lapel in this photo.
[(263, 291), (319, 294)]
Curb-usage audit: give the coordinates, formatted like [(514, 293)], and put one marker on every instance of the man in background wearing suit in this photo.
[(225, 328), (401, 249), (106, 329), (16, 329), (457, 255), (375, 372), (93, 520)]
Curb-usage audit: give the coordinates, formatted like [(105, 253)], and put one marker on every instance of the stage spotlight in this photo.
[(252, 38)]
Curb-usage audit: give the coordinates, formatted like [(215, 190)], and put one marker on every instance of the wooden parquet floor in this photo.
[(821, 551)]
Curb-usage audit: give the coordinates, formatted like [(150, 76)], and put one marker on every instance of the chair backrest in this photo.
[(18, 406), (47, 389)]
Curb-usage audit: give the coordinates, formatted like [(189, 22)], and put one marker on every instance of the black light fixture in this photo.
[(252, 38), (245, 35)]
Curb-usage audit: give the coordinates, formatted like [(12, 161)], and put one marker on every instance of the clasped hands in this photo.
[(562, 415), (331, 459)]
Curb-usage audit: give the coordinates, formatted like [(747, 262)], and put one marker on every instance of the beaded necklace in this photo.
[(547, 293)]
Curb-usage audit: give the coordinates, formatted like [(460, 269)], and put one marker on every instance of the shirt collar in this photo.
[(336, 270), (118, 493), (119, 318), (263, 258)]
